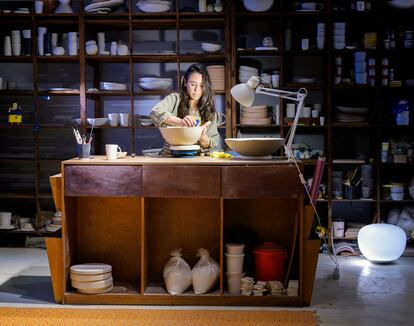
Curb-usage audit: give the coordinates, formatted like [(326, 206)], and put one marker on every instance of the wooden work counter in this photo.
[(132, 212)]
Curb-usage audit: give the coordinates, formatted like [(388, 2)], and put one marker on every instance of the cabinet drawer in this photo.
[(181, 181), (261, 182), (103, 180)]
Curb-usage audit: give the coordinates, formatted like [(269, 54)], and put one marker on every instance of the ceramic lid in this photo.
[(92, 268)]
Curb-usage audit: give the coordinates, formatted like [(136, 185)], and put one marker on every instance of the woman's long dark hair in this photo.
[(206, 103)]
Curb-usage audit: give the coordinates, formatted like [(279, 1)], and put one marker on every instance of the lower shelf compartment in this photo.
[(124, 293)]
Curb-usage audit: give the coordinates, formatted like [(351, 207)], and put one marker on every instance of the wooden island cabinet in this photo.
[(132, 212)]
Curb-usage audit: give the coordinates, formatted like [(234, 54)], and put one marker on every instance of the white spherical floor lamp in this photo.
[(382, 243)]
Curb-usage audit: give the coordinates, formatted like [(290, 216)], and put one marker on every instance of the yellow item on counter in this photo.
[(221, 155)]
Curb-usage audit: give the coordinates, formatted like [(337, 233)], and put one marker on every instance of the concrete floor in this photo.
[(364, 294)]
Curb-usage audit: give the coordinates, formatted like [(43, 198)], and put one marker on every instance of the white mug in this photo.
[(306, 111), (38, 6), (114, 46), (5, 219), (315, 113), (305, 44), (113, 119), (290, 110), (112, 151), (322, 121), (124, 119), (7, 46)]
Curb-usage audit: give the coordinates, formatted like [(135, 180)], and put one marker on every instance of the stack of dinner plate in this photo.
[(108, 86), (217, 77), (56, 222), (348, 114), (92, 278), (155, 83), (102, 6), (255, 115), (154, 5), (245, 72)]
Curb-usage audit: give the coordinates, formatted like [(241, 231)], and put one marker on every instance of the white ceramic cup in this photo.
[(124, 117), (305, 44), (113, 119), (320, 42), (290, 110), (275, 81), (7, 46), (322, 121), (114, 46), (112, 151), (5, 219), (306, 111), (315, 113), (38, 6), (360, 5), (338, 228)]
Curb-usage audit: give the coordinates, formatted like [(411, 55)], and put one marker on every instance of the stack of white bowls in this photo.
[(154, 5), (41, 31), (217, 77), (73, 43), (155, 83), (339, 35), (16, 42), (92, 278), (255, 115), (397, 191), (245, 72), (56, 223), (320, 36), (109, 86), (234, 263), (360, 66)]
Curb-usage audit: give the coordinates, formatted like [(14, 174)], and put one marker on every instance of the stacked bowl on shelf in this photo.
[(339, 35), (154, 5), (245, 72), (92, 278), (234, 262), (155, 83), (109, 86), (255, 115), (56, 222), (216, 73)]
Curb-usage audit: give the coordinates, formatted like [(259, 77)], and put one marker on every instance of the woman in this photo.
[(194, 106)]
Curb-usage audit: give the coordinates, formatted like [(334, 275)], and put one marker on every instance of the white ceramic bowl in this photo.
[(234, 248), (397, 195), (210, 47), (255, 146), (97, 122), (257, 5), (181, 135)]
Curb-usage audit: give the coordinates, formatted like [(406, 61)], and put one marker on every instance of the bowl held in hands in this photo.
[(181, 135)]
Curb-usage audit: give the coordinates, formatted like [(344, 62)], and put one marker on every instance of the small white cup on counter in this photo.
[(113, 151)]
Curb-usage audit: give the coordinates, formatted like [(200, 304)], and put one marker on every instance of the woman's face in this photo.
[(195, 86)]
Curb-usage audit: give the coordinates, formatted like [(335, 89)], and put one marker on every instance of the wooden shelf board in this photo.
[(108, 58), (108, 23), (54, 125), (16, 92), (257, 126), (57, 58), (15, 195), (390, 201), (202, 57), (16, 59), (110, 16), (347, 161), (314, 87), (20, 126), (353, 86), (46, 93), (201, 15), (153, 57), (253, 52), (352, 125), (153, 93), (109, 93), (361, 200), (310, 52)]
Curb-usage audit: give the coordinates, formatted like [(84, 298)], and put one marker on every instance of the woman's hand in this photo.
[(188, 121), (204, 139)]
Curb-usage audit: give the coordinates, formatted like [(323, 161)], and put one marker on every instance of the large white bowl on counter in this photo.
[(255, 146), (181, 135)]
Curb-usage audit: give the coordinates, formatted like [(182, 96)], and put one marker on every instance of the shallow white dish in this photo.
[(161, 85), (97, 122), (303, 80), (181, 135), (266, 48), (154, 79), (350, 109), (91, 268), (210, 47), (100, 4), (255, 146), (152, 7)]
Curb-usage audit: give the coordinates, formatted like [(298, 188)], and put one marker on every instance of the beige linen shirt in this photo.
[(169, 107)]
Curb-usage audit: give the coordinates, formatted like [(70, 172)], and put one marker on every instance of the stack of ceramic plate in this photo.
[(217, 77), (155, 83), (350, 114), (143, 120), (107, 86), (255, 115), (245, 72), (92, 278), (56, 223), (102, 6), (22, 11), (154, 5)]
